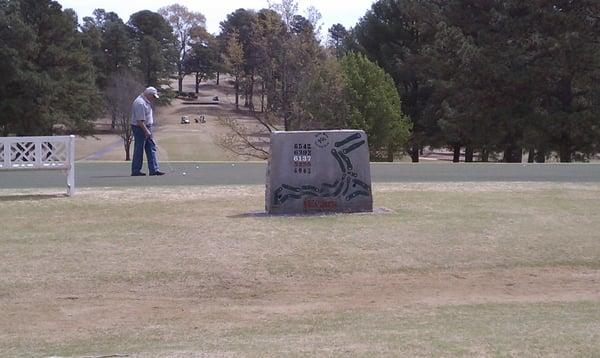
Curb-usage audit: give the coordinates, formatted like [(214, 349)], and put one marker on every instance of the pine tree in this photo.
[(374, 106), (395, 35), (110, 44), (49, 78), (156, 47)]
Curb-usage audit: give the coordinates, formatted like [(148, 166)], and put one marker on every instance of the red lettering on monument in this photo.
[(315, 204)]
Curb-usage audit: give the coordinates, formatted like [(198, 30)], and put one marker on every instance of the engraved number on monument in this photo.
[(302, 158)]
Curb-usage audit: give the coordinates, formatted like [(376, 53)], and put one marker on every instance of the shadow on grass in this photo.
[(299, 215), (111, 176), (31, 197), (258, 214), (262, 214)]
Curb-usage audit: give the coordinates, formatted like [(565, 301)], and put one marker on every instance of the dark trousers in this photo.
[(141, 144)]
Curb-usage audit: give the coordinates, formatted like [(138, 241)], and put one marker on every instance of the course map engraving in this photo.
[(346, 185)]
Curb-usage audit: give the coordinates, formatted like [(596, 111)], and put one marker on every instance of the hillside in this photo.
[(176, 141)]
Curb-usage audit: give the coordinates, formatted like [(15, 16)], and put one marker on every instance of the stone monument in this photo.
[(317, 172)]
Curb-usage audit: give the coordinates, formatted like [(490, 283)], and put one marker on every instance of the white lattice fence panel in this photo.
[(22, 154), (43, 153), (54, 153)]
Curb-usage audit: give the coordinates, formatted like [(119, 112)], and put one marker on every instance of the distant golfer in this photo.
[(141, 125)]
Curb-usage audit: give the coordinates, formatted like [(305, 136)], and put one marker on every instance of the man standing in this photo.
[(141, 125)]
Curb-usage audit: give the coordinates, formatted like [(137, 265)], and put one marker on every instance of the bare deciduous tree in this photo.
[(286, 8), (249, 141), (184, 23), (120, 92)]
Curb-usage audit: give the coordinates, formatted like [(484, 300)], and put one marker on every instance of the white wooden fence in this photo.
[(40, 153)]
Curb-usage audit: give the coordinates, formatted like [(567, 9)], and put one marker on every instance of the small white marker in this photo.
[(183, 173)]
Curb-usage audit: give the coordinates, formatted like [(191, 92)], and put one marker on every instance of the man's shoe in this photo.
[(140, 174), (157, 173)]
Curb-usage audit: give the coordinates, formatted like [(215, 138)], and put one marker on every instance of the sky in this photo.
[(346, 12)]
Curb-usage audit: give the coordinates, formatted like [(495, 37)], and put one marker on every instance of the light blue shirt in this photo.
[(141, 111)]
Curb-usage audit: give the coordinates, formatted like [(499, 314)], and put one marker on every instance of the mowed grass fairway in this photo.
[(468, 269)]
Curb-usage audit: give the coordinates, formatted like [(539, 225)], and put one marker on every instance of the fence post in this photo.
[(71, 172), (6, 157), (37, 150)]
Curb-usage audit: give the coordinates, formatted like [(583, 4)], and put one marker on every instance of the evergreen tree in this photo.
[(474, 101), (203, 59), (47, 75), (321, 99), (338, 37), (156, 46), (395, 35), (564, 56), (270, 36), (235, 60), (243, 23), (108, 39), (516, 74), (304, 57), (184, 22), (374, 106)]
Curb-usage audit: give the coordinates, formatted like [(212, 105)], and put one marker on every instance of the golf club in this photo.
[(163, 152)]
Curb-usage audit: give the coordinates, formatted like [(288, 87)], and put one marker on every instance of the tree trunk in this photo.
[(127, 149), (251, 99), (469, 153), (218, 77), (565, 95), (565, 155), (390, 154), (518, 155), (456, 149), (197, 82), (565, 152), (284, 97), (414, 154), (531, 155), (507, 154), (237, 93), (262, 96), (286, 122), (27, 127), (513, 154), (485, 155), (540, 156), (180, 62)]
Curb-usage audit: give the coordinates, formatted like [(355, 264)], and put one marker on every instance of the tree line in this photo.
[(303, 85), (493, 78)]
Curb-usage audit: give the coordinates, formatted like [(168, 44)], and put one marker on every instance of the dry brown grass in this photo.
[(84, 147), (478, 269)]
